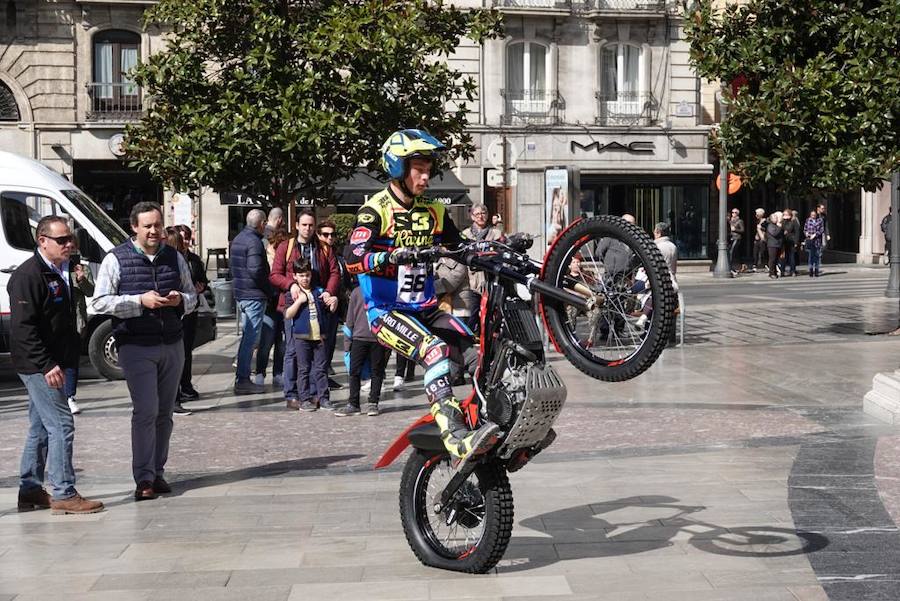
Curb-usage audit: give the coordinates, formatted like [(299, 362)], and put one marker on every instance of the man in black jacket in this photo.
[(43, 343)]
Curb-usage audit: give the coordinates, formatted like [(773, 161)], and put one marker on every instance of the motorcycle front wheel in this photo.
[(469, 535), (618, 266)]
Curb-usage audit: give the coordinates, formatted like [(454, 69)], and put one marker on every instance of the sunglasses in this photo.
[(61, 240), (326, 234)]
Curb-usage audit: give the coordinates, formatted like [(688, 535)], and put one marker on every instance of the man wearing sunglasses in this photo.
[(43, 343)]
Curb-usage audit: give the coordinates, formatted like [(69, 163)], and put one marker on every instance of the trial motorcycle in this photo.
[(610, 318)]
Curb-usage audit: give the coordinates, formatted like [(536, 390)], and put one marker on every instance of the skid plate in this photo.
[(545, 395)]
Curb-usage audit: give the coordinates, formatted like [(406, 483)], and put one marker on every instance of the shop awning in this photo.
[(356, 190)]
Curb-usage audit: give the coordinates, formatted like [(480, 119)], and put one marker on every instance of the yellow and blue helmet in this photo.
[(404, 145)]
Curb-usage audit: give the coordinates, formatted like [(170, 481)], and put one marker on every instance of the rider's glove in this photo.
[(402, 256)]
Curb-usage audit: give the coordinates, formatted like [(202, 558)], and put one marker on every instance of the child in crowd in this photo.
[(363, 346), (309, 322)]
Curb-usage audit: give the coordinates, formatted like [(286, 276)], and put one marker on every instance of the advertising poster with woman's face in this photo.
[(557, 187)]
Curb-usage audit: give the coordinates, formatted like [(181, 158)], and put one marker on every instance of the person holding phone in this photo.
[(146, 286), (82, 289)]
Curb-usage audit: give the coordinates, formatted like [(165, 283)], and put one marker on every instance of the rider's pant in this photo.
[(431, 339)]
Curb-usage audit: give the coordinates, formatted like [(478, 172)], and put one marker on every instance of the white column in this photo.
[(867, 217), (552, 77)]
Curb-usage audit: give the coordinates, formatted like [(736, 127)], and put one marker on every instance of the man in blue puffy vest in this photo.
[(146, 287)]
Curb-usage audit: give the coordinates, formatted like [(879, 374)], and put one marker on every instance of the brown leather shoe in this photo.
[(75, 504), (161, 487), (144, 491), (292, 404), (36, 498)]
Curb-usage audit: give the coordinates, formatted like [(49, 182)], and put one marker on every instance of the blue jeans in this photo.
[(814, 257), (252, 312), (48, 444), (289, 372), (312, 374), (272, 335)]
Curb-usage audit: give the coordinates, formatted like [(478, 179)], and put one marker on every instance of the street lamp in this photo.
[(723, 264)]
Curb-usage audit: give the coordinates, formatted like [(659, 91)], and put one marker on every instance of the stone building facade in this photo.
[(62, 63), (588, 105), (591, 102)]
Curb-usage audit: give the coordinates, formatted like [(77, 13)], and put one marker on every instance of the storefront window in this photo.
[(685, 207), (845, 221), (115, 187)]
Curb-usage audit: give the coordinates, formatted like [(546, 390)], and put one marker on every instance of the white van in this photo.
[(30, 190)]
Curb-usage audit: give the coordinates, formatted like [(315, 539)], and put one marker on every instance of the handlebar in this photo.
[(469, 254)]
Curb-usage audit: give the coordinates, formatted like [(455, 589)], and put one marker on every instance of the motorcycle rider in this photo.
[(401, 305)]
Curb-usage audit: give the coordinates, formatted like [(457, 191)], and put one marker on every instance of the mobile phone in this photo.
[(75, 259)]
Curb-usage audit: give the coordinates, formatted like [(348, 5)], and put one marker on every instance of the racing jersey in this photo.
[(383, 224)]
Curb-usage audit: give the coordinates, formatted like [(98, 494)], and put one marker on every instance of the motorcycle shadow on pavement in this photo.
[(642, 524)]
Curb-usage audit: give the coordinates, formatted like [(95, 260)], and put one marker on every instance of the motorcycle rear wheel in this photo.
[(609, 343), (472, 533)]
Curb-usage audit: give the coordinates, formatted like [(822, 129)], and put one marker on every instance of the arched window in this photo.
[(623, 99), (9, 110), (116, 52), (527, 67)]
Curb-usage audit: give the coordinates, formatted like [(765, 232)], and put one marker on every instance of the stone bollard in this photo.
[(883, 401)]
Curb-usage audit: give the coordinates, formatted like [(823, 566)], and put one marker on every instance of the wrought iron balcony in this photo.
[(626, 108), (114, 102), (541, 5), (628, 5), (532, 107), (580, 6)]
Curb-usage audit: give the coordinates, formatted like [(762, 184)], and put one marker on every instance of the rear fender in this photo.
[(403, 441)]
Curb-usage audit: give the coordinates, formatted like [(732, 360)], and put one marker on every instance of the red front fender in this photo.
[(541, 309), (401, 442)]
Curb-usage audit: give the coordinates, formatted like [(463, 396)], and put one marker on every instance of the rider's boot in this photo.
[(460, 442)]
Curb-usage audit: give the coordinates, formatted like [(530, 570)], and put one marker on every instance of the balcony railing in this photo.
[(556, 5), (582, 5), (624, 5), (532, 107), (114, 102), (626, 108)]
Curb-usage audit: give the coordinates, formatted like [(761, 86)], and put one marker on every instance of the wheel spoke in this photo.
[(468, 509), (609, 332)]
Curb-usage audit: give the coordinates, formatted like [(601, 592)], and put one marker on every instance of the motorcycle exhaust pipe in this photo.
[(550, 291)]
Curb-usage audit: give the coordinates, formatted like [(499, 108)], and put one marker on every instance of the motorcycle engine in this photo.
[(505, 399)]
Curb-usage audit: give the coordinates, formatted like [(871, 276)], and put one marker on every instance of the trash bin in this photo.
[(223, 291)]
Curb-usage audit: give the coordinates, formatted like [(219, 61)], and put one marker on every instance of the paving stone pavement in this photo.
[(737, 468)]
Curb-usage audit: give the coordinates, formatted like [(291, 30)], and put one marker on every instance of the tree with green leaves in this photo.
[(812, 88), (268, 97)]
